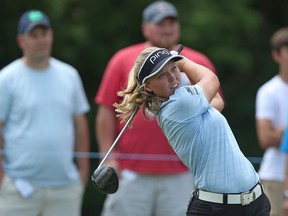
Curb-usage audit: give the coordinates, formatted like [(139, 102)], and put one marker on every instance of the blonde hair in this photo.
[(135, 95)]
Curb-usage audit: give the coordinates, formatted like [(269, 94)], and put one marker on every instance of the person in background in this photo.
[(284, 148), (271, 116), (42, 123), (148, 168)]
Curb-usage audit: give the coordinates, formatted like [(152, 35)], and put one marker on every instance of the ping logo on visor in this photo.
[(154, 62)]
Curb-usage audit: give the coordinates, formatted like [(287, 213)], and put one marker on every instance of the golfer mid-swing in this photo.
[(226, 182)]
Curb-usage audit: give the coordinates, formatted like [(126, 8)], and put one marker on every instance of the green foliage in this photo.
[(233, 34), (222, 28)]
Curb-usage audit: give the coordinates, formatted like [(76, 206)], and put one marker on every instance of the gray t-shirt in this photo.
[(37, 108)]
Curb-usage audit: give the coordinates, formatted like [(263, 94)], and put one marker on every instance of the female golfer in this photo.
[(226, 182)]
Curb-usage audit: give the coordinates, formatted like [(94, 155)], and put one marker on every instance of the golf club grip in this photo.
[(179, 48), (119, 135)]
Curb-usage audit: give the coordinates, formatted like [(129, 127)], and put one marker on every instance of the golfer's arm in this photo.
[(106, 127), (201, 76), (217, 102), (82, 145)]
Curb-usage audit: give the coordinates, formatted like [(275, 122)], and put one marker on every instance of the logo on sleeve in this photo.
[(192, 90)]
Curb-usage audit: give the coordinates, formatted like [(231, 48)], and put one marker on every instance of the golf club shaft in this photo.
[(179, 48), (119, 136)]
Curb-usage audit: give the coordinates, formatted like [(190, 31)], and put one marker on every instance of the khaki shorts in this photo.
[(274, 191), (160, 195), (44, 201)]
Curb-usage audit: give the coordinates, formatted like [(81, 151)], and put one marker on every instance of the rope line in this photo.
[(132, 156)]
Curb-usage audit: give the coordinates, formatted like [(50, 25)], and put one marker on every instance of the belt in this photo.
[(242, 198)]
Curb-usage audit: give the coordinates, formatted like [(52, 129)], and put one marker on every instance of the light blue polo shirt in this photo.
[(203, 140), (37, 108)]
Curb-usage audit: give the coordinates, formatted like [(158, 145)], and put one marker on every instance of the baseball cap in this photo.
[(159, 10), (279, 38), (154, 62), (32, 18)]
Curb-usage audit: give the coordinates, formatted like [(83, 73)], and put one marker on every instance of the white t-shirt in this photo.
[(272, 104)]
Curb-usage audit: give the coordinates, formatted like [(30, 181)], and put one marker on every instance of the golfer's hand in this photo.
[(181, 64)]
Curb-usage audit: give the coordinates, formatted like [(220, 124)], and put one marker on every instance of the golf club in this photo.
[(105, 178)]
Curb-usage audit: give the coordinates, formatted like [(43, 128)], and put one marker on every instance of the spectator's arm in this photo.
[(268, 135), (106, 129), (285, 194), (82, 145)]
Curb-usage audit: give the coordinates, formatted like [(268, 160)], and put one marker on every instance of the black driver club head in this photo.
[(105, 179)]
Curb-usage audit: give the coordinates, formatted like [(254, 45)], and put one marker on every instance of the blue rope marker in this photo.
[(96, 155), (127, 156)]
